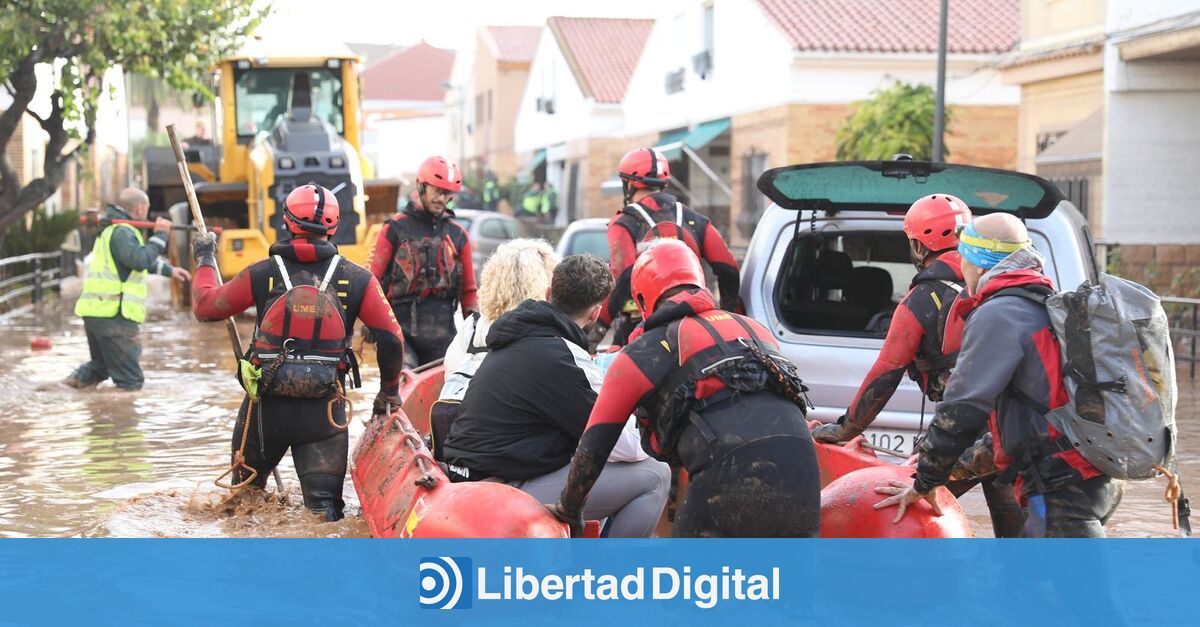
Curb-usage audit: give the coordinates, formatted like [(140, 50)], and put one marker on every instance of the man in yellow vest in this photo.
[(113, 301)]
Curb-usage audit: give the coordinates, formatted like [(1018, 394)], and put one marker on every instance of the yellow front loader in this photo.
[(285, 121)]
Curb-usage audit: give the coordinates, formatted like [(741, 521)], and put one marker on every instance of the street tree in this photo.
[(898, 119), (54, 55)]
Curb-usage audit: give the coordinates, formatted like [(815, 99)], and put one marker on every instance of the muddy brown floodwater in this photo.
[(107, 463)]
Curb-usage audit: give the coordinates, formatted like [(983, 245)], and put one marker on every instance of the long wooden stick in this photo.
[(234, 337)]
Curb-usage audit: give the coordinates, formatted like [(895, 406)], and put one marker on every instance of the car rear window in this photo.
[(892, 186), (590, 241), (845, 283)]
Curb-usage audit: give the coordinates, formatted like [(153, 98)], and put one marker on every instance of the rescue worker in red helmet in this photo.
[(649, 213), (314, 428), (422, 259), (712, 395), (914, 346)]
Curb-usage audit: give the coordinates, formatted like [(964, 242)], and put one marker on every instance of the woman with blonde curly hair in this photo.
[(518, 271)]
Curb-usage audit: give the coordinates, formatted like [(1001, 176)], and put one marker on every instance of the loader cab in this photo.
[(256, 92)]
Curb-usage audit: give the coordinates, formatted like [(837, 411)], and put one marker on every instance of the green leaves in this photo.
[(898, 119), (177, 41)]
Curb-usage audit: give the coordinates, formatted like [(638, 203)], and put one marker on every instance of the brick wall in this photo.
[(1168, 269), (807, 133), (984, 136)]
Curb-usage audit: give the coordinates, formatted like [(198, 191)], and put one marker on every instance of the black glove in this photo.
[(364, 332), (573, 521), (835, 432), (204, 249), (384, 403)]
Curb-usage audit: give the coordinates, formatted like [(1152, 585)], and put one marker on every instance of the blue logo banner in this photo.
[(612, 582)]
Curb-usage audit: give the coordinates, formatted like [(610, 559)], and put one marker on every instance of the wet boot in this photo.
[(329, 506)]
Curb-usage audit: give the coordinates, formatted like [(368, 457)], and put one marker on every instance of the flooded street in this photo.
[(103, 462), (107, 463)]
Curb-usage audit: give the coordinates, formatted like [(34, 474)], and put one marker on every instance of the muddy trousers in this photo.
[(115, 351), (319, 450), (760, 479), (631, 495), (1077, 511), (1008, 517), (428, 327)]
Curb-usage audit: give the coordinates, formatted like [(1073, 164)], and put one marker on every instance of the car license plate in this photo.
[(899, 441)]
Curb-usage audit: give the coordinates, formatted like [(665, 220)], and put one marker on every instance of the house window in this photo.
[(1076, 190), (674, 81), (479, 111), (489, 105)]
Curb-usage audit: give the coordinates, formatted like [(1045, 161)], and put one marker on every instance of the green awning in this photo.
[(705, 133), (539, 158), (672, 139), (669, 143)]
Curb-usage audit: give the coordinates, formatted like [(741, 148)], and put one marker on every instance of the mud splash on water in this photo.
[(208, 511)]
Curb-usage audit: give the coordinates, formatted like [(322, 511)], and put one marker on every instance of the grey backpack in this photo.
[(1119, 373)]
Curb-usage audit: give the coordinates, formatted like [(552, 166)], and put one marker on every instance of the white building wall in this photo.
[(399, 146), (574, 116), (1124, 14), (750, 65), (1152, 138), (825, 78)]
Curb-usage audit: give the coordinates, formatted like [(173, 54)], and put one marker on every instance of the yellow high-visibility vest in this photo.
[(104, 293)]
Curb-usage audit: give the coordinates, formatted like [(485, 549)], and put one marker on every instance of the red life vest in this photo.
[(300, 342)]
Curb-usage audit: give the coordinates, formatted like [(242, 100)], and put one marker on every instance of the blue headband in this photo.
[(982, 252)]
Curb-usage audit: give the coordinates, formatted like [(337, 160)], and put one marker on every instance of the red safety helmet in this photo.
[(441, 173), (311, 209), (667, 263), (644, 167), (933, 219)]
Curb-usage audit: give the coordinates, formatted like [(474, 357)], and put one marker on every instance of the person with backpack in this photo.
[(1009, 378), (423, 260), (914, 342), (712, 395), (295, 373), (650, 213)]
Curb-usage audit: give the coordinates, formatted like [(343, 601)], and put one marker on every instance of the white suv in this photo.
[(804, 275)]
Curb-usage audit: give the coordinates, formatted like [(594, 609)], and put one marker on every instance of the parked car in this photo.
[(487, 230), (803, 275), (588, 235)]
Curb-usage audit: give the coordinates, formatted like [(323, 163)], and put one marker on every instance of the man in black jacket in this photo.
[(528, 403)]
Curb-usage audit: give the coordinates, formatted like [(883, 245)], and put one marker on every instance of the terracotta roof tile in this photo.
[(514, 44), (414, 73), (602, 52), (975, 26)]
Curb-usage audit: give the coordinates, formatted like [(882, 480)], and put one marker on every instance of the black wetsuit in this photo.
[(750, 458)]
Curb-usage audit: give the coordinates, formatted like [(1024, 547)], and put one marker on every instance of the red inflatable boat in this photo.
[(403, 493)]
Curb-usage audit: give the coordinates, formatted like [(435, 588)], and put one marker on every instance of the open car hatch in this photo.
[(892, 186)]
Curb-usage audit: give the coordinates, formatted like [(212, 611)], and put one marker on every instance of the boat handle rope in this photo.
[(239, 458), (1173, 492)]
